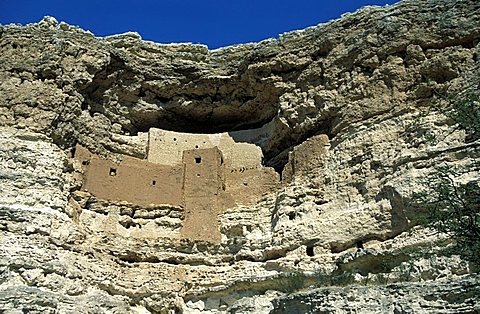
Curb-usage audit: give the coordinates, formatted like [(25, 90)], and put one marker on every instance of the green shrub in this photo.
[(465, 111), (453, 208), (292, 282), (405, 271), (342, 277)]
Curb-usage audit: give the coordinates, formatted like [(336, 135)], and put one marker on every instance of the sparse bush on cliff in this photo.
[(463, 107), (292, 282), (466, 112), (452, 207)]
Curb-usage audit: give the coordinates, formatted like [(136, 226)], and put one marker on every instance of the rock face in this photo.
[(335, 236)]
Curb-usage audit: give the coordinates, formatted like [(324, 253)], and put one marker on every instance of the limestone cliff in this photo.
[(336, 236)]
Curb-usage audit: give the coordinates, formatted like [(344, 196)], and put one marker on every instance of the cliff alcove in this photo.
[(352, 113)]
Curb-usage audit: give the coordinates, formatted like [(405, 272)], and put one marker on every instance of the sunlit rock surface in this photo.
[(334, 237)]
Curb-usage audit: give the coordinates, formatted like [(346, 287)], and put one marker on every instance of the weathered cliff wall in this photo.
[(335, 238)]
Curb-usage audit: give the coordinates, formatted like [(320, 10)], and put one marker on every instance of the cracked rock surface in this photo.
[(334, 238)]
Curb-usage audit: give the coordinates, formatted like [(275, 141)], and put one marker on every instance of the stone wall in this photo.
[(167, 147), (239, 155), (204, 179), (247, 187), (201, 182), (305, 157), (135, 181), (245, 180)]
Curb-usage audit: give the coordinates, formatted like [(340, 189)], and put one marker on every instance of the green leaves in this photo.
[(452, 207), (466, 112)]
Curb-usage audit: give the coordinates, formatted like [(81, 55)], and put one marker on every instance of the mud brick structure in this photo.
[(203, 173), (133, 180), (303, 156), (203, 187), (167, 147)]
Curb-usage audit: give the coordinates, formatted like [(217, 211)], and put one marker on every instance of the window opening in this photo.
[(113, 172), (198, 160), (310, 250), (154, 182)]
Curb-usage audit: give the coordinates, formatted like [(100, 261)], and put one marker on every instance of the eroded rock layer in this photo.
[(335, 236)]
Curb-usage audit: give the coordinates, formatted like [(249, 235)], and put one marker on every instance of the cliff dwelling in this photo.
[(104, 210), (202, 173)]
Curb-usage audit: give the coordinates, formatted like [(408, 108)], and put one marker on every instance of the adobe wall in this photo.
[(203, 173), (83, 156), (203, 182), (166, 148), (305, 157), (246, 187), (135, 181), (239, 155)]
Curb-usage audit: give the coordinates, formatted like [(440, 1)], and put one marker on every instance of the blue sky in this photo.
[(216, 23)]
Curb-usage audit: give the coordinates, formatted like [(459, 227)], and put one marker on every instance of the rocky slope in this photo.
[(335, 238)]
